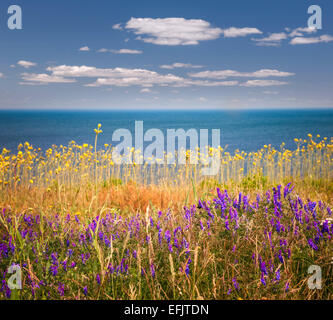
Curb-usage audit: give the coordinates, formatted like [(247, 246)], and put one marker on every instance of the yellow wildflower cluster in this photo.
[(75, 164)]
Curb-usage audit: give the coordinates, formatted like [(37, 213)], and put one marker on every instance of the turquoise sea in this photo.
[(245, 130)]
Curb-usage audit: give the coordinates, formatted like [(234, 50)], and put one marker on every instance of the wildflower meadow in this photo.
[(80, 226)]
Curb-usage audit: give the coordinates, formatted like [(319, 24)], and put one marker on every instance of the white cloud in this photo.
[(172, 31), (26, 64), (123, 77), (160, 80), (85, 48), (223, 74), (102, 50), (270, 92), (262, 83), (126, 51), (298, 32), (274, 39), (1, 75), (206, 83), (117, 26), (86, 71), (179, 65), (145, 90), (240, 32), (202, 99), (121, 51), (310, 40), (43, 78)]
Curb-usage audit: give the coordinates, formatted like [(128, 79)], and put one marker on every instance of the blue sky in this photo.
[(166, 55)]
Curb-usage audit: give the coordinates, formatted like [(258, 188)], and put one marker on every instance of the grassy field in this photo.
[(82, 227)]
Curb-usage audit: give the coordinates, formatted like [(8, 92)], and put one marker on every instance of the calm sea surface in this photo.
[(244, 130)]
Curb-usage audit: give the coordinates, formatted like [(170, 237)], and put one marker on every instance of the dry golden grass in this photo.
[(132, 197)]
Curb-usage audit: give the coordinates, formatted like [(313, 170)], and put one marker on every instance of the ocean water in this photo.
[(244, 130)]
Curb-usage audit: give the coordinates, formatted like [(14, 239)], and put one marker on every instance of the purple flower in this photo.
[(312, 244), (201, 225), (235, 283), (187, 268), (61, 289), (262, 279), (85, 290), (263, 268), (287, 287), (152, 269), (54, 257), (167, 236), (227, 225), (54, 270), (287, 190), (98, 279), (8, 292)]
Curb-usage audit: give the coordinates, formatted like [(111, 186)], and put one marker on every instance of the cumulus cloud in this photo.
[(43, 78), (239, 32), (298, 32), (85, 48), (298, 36), (172, 31), (123, 77), (26, 64), (223, 74), (263, 83), (270, 92), (180, 65), (103, 50), (274, 39), (126, 51), (310, 40), (181, 31), (121, 51), (145, 90), (117, 26)]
